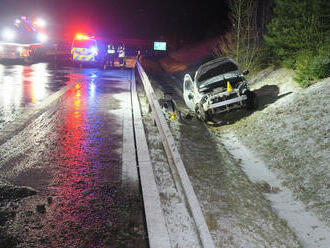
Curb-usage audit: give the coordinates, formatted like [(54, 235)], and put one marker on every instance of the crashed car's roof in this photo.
[(214, 68)]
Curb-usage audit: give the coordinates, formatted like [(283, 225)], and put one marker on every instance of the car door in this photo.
[(188, 92)]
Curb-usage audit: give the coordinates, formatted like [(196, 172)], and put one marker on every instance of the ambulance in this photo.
[(84, 50)]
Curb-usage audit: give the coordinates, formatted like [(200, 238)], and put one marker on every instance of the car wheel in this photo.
[(202, 115), (252, 101)]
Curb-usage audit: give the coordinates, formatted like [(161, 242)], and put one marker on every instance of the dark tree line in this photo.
[(293, 33)]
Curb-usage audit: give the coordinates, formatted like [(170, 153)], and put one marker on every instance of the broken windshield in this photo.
[(221, 81)]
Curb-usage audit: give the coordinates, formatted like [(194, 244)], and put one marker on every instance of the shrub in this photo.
[(303, 69), (320, 67), (311, 66), (321, 63)]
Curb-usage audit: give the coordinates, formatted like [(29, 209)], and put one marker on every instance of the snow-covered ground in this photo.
[(309, 229), (289, 140)]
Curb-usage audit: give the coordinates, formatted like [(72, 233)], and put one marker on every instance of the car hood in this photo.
[(204, 68), (221, 80)]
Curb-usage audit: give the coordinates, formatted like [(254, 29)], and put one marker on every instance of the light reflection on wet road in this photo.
[(71, 154), (24, 85)]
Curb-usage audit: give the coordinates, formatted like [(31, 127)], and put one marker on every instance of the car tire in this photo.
[(252, 100), (202, 115)]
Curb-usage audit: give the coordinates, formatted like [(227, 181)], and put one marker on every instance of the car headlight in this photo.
[(242, 87)]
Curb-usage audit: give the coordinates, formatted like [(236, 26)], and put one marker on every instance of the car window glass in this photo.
[(84, 43)]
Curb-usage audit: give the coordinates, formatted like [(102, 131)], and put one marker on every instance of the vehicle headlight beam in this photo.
[(8, 34)]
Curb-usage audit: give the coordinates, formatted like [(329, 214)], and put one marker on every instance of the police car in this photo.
[(84, 49)]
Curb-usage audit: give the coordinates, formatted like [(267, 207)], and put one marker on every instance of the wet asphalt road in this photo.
[(61, 135)]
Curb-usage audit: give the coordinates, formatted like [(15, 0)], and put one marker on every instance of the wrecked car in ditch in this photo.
[(219, 86)]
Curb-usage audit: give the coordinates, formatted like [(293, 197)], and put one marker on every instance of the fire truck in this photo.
[(22, 39)]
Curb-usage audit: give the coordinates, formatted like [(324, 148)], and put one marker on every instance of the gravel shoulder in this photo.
[(180, 224)]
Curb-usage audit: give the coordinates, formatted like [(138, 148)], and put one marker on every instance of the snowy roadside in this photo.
[(288, 135), (237, 214)]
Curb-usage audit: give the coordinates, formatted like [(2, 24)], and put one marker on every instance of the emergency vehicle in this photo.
[(21, 40), (84, 49)]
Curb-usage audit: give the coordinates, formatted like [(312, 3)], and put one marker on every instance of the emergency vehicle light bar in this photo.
[(83, 37)]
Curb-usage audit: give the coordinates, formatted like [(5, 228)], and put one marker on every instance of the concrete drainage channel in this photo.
[(135, 144)]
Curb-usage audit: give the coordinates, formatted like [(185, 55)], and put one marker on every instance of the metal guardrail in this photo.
[(175, 159), (156, 227)]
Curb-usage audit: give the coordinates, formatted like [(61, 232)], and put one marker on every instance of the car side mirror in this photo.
[(246, 72), (190, 96)]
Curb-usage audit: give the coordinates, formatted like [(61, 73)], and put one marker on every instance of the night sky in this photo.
[(149, 19)]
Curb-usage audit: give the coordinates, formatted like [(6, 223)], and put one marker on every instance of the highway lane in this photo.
[(61, 133), (23, 87)]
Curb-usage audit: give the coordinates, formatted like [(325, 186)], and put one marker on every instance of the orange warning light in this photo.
[(81, 37)]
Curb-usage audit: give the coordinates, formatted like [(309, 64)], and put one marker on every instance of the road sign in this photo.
[(160, 46)]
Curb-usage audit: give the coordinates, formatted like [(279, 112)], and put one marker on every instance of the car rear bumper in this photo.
[(89, 58)]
